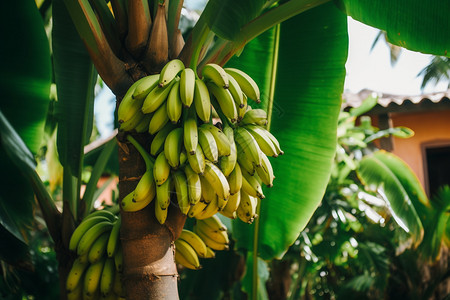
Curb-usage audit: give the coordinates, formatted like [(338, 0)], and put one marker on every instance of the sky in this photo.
[(373, 70)]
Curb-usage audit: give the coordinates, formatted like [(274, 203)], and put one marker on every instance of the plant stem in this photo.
[(273, 76), (149, 161)]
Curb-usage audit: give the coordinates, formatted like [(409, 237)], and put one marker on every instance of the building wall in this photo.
[(429, 127)]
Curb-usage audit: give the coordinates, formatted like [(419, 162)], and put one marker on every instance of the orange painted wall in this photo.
[(428, 127)]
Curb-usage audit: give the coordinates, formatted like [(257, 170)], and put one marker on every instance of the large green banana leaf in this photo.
[(413, 24), (309, 83), (25, 75), (75, 80), (387, 174)]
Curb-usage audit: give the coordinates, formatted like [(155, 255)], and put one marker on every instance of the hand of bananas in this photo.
[(207, 168), (97, 270)]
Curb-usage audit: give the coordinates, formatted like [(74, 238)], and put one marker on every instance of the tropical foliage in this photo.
[(298, 64)]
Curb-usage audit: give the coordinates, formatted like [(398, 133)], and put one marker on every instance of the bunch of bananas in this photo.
[(203, 168), (96, 272)]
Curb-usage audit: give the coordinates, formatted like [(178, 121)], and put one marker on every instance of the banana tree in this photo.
[(298, 62)]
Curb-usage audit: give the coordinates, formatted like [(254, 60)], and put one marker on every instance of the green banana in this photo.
[(84, 226), (174, 104), (143, 124), (92, 277), (131, 124), (159, 119), (145, 187), (208, 144), (255, 116), (265, 171), (264, 142), (75, 274), (187, 86), (222, 141), (193, 184), (246, 210), (156, 97), (252, 185), (157, 144), (248, 143), (225, 100), (128, 105), (128, 204), (144, 86), (113, 240), (107, 278), (216, 74), (227, 163), (170, 71), (190, 135), (202, 101), (163, 192), (172, 147), (98, 248), (236, 92), (247, 84), (197, 161), (91, 236), (161, 169), (181, 189)]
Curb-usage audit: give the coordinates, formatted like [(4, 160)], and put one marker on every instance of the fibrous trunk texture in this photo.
[(149, 265)]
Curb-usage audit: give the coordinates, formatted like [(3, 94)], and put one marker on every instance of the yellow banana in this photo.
[(160, 214), (232, 204), (181, 189), (210, 253), (172, 147), (188, 252), (182, 260), (193, 184), (194, 241), (130, 205), (114, 239), (170, 71), (145, 187), (216, 74), (196, 209), (265, 171), (197, 161), (211, 209), (222, 141), (246, 210), (163, 192), (190, 135), (75, 274), (235, 179), (107, 278), (208, 144), (174, 104), (98, 248), (210, 242), (247, 84), (156, 97), (208, 193), (157, 144), (225, 100), (161, 169), (217, 180), (252, 185), (219, 236), (202, 101), (144, 86), (187, 86), (214, 223), (159, 119)]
